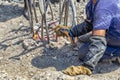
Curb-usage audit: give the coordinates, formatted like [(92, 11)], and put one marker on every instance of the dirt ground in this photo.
[(21, 59)]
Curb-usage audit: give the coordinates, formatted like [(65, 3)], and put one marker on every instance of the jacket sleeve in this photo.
[(81, 29)]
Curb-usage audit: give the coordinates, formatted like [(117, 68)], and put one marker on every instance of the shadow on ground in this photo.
[(62, 58), (59, 59), (4, 45), (8, 12), (106, 67), (17, 40)]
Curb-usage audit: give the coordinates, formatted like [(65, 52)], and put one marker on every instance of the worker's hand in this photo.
[(77, 70), (58, 30), (63, 31)]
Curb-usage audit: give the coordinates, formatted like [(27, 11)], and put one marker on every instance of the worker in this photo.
[(103, 19)]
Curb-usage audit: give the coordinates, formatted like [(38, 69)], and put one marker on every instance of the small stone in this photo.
[(28, 44), (52, 46), (54, 57), (1, 58), (69, 54)]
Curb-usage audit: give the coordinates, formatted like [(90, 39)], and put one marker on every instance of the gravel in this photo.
[(21, 58)]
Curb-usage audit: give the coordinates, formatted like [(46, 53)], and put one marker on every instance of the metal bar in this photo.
[(39, 7), (46, 26), (74, 22), (66, 13), (50, 9), (35, 13), (29, 14), (41, 18), (42, 10), (61, 12)]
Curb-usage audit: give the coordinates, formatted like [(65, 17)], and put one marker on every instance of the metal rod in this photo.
[(29, 14), (35, 13), (46, 26), (67, 12), (61, 12), (42, 10), (39, 7), (50, 9)]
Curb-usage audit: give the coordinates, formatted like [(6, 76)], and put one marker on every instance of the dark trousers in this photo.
[(83, 37)]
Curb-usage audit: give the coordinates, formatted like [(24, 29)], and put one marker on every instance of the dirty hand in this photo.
[(61, 30), (77, 70), (58, 29)]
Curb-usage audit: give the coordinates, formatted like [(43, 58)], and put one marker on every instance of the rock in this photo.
[(1, 58), (52, 46), (29, 44)]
